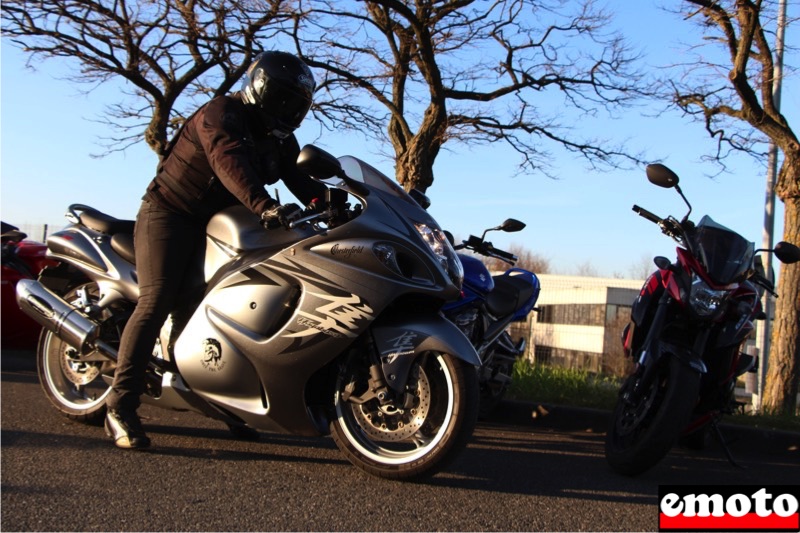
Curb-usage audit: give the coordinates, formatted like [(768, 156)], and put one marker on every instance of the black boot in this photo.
[(243, 432), (126, 429)]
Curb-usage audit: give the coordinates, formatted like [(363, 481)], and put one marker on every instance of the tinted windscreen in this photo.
[(726, 255), (365, 173)]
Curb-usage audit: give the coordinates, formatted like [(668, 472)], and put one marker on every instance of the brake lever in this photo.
[(300, 221), (765, 283)]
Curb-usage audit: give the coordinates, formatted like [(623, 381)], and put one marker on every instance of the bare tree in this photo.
[(467, 71), (733, 96), (165, 50), (527, 259), (586, 269), (642, 268)]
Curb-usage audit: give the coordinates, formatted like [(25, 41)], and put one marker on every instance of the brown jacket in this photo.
[(218, 159)]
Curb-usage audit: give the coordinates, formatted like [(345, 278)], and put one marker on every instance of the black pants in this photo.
[(169, 250)]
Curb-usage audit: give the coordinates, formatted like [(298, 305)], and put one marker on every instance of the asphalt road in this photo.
[(518, 474)]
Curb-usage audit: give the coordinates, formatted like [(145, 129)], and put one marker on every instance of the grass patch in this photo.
[(564, 386), (579, 388), (782, 422)]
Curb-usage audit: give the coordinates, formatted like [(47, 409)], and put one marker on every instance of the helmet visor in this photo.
[(286, 106)]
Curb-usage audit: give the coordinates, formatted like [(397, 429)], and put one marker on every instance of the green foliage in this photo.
[(565, 386), (766, 420)]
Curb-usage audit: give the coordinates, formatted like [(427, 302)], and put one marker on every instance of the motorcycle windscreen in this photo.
[(726, 255)]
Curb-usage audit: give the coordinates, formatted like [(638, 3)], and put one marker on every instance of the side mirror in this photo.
[(662, 262), (318, 163), (662, 176), (420, 198), (512, 225), (787, 252)]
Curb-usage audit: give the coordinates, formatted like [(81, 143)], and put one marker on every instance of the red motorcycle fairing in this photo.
[(740, 325), (19, 331), (650, 293)]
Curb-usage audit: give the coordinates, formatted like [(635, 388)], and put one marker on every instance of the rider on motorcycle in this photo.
[(223, 154)]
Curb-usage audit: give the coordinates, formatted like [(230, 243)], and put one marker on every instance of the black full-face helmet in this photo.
[(280, 87)]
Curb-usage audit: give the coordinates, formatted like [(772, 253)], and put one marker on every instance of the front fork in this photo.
[(653, 350), (378, 387)]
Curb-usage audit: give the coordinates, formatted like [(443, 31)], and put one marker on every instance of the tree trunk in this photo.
[(415, 154), (415, 167), (783, 376)]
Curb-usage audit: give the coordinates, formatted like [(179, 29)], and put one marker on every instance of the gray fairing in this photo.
[(273, 318)]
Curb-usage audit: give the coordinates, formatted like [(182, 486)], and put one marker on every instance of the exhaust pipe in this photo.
[(54, 314)]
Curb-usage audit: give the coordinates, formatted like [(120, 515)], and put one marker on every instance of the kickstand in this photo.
[(721, 439)]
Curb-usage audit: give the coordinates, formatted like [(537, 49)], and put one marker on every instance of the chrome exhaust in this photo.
[(54, 314)]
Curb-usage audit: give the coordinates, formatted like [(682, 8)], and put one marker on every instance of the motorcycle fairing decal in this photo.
[(224, 247), (212, 356), (651, 285), (249, 276), (401, 345), (338, 318)]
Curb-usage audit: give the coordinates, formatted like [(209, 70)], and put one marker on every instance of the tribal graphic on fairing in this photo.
[(337, 318)]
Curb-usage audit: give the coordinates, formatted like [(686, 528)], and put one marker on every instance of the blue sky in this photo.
[(48, 130)]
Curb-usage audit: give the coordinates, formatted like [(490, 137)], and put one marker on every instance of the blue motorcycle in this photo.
[(487, 306)]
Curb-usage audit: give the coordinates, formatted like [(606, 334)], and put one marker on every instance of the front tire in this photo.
[(398, 442), (77, 386), (642, 432)]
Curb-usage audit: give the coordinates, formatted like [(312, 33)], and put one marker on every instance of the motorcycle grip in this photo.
[(644, 213), (504, 254)]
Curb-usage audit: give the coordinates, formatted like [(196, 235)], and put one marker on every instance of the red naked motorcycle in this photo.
[(21, 259), (686, 334)]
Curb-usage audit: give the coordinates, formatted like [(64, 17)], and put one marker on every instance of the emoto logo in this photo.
[(729, 508)]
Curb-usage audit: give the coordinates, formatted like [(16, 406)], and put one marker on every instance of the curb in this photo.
[(545, 416)]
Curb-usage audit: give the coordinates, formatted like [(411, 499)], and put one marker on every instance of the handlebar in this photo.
[(504, 255), (486, 248), (669, 226), (644, 213)]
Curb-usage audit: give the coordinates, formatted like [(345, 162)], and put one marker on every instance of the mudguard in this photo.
[(683, 354), (399, 338)]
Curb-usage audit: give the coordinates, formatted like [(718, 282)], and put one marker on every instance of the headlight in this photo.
[(704, 300), (443, 250)]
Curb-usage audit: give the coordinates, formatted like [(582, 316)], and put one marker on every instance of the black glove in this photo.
[(280, 215)]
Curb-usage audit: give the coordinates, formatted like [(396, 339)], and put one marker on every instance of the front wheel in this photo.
[(643, 431), (422, 435)]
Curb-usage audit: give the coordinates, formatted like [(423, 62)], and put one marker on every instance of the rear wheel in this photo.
[(418, 437), (76, 385), (643, 431)]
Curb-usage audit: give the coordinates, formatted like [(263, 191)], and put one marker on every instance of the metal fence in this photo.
[(36, 232)]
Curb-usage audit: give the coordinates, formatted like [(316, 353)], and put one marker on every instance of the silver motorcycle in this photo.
[(331, 325)]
